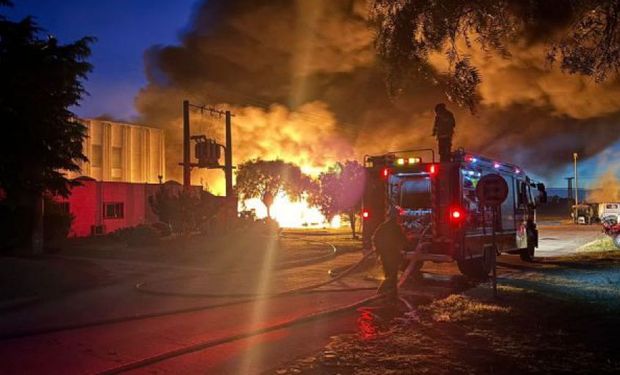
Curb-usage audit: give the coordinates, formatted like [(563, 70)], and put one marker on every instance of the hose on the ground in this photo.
[(301, 290)]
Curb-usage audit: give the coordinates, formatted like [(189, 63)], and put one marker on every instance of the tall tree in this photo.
[(340, 192), (265, 179), (41, 79), (583, 35)]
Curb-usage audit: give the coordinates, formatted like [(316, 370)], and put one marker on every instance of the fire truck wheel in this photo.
[(527, 254), (478, 268)]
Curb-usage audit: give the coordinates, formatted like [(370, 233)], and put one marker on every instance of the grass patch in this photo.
[(458, 307), (525, 330), (603, 244)]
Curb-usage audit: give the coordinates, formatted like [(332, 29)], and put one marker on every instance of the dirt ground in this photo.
[(558, 315)]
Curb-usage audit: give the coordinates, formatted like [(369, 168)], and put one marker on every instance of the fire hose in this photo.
[(250, 297)]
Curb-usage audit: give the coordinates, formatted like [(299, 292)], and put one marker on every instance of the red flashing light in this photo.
[(433, 169), (385, 172), (365, 214), (470, 159), (456, 214)]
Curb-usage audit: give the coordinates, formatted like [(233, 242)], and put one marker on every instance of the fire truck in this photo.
[(440, 211)]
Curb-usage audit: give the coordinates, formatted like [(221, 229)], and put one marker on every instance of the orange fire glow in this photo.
[(290, 214)]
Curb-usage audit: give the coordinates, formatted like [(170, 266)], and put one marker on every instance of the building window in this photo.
[(117, 157), (96, 157), (113, 210)]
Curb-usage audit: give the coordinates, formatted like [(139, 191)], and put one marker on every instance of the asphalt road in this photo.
[(103, 348), (223, 334), (558, 240)]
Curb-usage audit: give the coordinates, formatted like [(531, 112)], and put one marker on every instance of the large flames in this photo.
[(307, 137), (290, 214)]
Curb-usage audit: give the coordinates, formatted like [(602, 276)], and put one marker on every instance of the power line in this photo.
[(212, 111)]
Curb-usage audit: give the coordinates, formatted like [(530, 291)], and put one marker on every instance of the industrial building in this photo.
[(123, 152), (101, 207), (126, 166)]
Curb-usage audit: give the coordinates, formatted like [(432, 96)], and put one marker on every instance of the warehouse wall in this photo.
[(123, 152)]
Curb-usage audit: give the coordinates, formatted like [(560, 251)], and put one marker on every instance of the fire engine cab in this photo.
[(440, 211)]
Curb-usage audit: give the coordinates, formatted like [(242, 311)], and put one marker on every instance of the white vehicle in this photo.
[(609, 209)]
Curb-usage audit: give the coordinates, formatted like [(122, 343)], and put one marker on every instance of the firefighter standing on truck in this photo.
[(389, 240), (444, 130)]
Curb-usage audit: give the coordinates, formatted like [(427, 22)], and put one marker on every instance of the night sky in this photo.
[(124, 30)]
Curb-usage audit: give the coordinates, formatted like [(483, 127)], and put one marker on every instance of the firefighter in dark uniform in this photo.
[(389, 240), (444, 130)]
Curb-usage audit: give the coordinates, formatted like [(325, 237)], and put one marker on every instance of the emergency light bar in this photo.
[(480, 160), (408, 161)]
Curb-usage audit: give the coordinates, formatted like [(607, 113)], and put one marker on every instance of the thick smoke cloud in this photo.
[(304, 82)]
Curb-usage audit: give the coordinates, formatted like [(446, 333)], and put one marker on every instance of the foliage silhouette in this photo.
[(41, 79), (266, 179), (339, 191), (582, 35)]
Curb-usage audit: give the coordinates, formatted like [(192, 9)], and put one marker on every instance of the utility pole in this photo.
[(569, 193), (575, 155), (231, 200), (187, 171), (228, 167)]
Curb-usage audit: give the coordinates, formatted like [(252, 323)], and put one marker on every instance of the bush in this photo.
[(141, 235), (163, 229), (185, 212)]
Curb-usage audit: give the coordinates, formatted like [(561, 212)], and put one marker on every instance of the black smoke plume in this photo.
[(306, 86)]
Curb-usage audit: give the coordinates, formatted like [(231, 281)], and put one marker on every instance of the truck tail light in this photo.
[(385, 172), (433, 169), (456, 214), (365, 214)]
